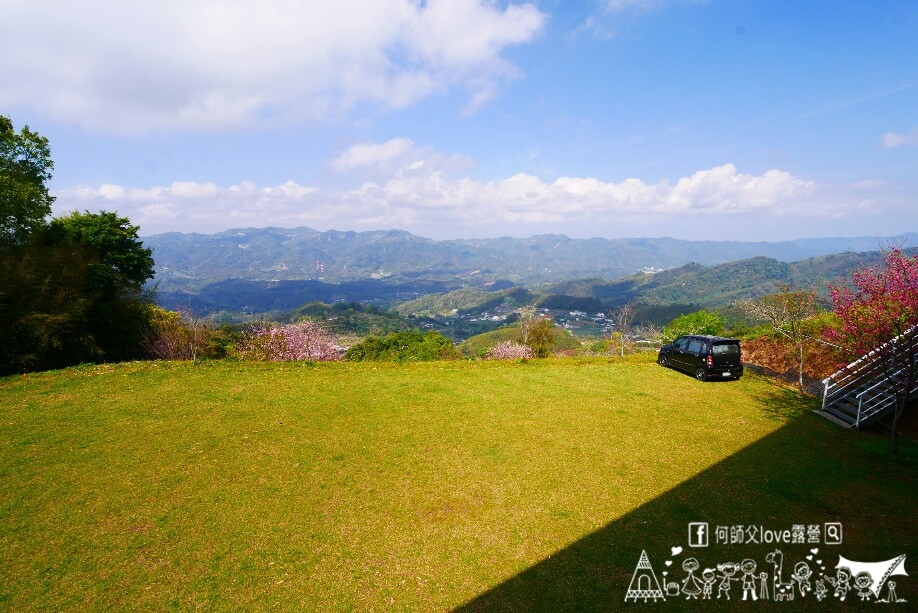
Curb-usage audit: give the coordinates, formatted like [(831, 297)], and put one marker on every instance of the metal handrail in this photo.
[(880, 382), (872, 410), (847, 369), (852, 377)]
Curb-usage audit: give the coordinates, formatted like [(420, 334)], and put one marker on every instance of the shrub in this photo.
[(600, 347), (412, 345), (181, 335)]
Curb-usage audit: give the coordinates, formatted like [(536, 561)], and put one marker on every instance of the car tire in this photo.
[(661, 360), (701, 375)]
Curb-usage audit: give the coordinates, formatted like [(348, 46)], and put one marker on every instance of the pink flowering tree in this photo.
[(510, 350), (878, 312), (303, 341)]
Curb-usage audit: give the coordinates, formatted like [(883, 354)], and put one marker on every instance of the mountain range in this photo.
[(269, 270), (189, 262)]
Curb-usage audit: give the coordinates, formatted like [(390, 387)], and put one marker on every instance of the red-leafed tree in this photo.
[(878, 311)]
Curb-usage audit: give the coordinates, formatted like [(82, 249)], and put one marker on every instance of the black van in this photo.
[(706, 357)]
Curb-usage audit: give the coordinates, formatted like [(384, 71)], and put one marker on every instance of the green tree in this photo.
[(123, 260), (70, 290), (44, 305), (25, 169), (70, 295), (118, 266), (539, 334), (699, 322)]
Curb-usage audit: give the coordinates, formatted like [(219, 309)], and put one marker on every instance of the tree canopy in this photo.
[(25, 169), (114, 241), (699, 322)]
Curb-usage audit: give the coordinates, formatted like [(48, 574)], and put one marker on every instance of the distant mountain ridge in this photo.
[(189, 262)]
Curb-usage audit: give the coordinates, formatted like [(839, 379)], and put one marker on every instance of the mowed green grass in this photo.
[(387, 486)]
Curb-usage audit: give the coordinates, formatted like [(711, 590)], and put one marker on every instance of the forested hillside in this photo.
[(713, 286), (462, 311)]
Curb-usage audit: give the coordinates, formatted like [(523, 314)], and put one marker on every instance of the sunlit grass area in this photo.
[(408, 486)]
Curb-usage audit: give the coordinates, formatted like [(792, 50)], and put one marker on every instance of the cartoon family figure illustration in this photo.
[(866, 580), (690, 586), (840, 583)]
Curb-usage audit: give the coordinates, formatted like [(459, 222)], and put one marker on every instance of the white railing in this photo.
[(866, 368), (876, 402)]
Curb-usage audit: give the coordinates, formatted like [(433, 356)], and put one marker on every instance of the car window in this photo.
[(680, 343), (694, 347), (728, 349)]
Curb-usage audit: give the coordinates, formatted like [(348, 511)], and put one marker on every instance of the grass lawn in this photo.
[(425, 486)]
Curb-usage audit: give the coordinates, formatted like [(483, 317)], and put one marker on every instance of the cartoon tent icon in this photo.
[(878, 571), (644, 584)]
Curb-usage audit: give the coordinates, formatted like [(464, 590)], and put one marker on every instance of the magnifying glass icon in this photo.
[(833, 534)]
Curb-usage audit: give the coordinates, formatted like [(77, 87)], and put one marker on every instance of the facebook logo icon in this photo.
[(698, 534)]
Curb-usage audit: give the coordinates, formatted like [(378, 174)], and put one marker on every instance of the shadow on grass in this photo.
[(806, 473)]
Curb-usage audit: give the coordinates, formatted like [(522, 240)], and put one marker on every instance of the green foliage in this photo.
[(172, 335), (45, 305), (699, 322), (124, 260), (603, 346), (25, 169), (539, 333), (820, 323), (479, 344), (408, 346)]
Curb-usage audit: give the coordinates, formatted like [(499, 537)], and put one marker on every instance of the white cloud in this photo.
[(132, 66), (372, 154), (891, 140), (427, 192)]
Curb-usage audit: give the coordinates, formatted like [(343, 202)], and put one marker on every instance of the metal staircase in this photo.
[(865, 391)]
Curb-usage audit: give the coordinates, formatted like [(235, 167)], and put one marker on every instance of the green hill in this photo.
[(720, 285), (352, 318), (479, 344), (466, 301)]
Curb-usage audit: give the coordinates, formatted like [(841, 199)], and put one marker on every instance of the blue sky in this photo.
[(742, 119)]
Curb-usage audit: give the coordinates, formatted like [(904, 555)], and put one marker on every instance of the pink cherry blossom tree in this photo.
[(510, 350), (878, 312), (303, 341)]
